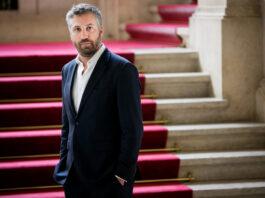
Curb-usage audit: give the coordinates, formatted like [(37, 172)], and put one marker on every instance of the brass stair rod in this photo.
[(188, 179)]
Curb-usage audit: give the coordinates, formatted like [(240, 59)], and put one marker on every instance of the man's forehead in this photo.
[(88, 17), (84, 19), (78, 24)]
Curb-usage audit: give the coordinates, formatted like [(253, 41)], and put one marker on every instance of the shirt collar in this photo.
[(94, 58)]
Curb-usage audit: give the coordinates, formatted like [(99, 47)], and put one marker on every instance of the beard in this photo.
[(87, 48)]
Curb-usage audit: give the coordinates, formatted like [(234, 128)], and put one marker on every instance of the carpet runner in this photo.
[(173, 13), (30, 131), (47, 141), (26, 87), (40, 57), (49, 113), (173, 17), (148, 190), (163, 32), (50, 57), (14, 171)]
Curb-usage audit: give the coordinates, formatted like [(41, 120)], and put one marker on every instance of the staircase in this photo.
[(189, 148), (225, 156), (174, 21)]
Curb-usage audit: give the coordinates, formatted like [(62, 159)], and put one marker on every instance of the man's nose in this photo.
[(84, 33)]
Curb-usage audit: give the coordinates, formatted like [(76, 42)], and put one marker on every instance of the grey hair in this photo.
[(83, 8)]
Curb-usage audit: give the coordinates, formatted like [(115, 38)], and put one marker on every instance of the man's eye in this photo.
[(90, 28), (77, 29)]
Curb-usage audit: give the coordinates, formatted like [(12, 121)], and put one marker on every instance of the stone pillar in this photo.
[(260, 95), (228, 36), (110, 12)]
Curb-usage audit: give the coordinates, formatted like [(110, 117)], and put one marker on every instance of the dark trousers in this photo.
[(75, 188)]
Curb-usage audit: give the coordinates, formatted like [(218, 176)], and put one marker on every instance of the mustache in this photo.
[(85, 41)]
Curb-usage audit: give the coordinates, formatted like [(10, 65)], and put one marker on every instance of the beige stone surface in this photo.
[(178, 85), (229, 42), (229, 189), (216, 137), (192, 110), (42, 21), (32, 27), (260, 101), (166, 60), (213, 166), (260, 94)]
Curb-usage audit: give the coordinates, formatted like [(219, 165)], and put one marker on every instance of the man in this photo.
[(101, 114)]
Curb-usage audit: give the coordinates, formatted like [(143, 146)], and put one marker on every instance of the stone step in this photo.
[(166, 31), (49, 113), (192, 110), (35, 85), (154, 10), (178, 85), (18, 172), (231, 189), (231, 165), (163, 85), (216, 137), (166, 60), (46, 140)]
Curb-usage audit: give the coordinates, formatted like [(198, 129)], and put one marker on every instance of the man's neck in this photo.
[(84, 60)]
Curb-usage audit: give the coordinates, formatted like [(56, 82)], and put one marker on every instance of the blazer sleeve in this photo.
[(65, 123), (59, 173), (130, 118)]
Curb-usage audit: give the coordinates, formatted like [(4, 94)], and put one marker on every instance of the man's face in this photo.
[(86, 34)]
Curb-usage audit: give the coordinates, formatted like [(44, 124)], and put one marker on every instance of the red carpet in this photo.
[(162, 190), (50, 57), (147, 190), (172, 17), (163, 161), (26, 87), (49, 113), (44, 60), (47, 141), (164, 165), (173, 13), (18, 59), (155, 136), (163, 32)]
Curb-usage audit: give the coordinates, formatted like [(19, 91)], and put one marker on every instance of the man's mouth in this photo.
[(88, 42)]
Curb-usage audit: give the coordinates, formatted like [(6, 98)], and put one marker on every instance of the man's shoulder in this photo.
[(69, 65), (120, 63), (117, 59)]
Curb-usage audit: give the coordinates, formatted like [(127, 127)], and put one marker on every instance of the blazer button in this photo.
[(76, 123)]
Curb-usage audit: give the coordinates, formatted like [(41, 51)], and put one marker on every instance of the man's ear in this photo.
[(101, 32)]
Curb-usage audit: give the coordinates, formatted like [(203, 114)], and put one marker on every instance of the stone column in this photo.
[(260, 95), (110, 12), (228, 36)]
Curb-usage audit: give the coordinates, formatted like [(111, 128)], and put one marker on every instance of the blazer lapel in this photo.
[(69, 88), (94, 78)]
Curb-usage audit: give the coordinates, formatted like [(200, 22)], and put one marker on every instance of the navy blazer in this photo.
[(103, 138)]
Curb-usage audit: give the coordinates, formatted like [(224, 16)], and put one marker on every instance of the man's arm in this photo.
[(59, 174), (65, 124), (130, 117)]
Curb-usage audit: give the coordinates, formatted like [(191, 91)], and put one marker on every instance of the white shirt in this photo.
[(80, 80)]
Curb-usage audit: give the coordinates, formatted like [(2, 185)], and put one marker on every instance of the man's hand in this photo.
[(121, 181)]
